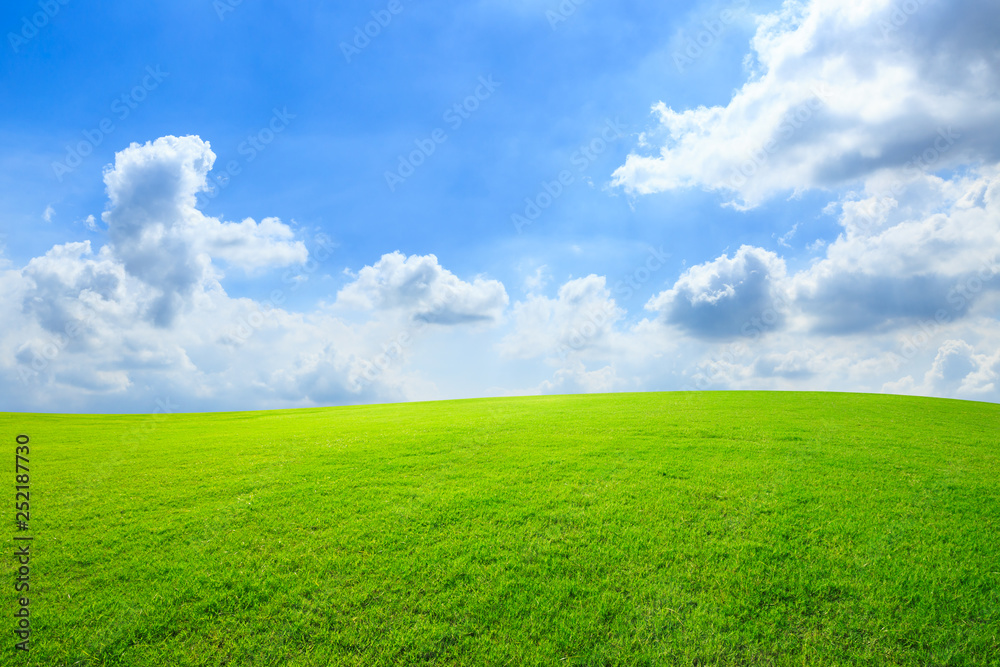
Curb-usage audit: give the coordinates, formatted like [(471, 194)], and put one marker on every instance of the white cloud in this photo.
[(581, 317), (895, 101), (958, 370), (146, 317), (932, 250), (69, 284), (535, 282), (839, 90), (425, 291), (954, 362), (727, 298), (48, 214), (165, 241), (924, 268)]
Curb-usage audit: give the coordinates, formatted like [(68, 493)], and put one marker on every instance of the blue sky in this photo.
[(701, 278)]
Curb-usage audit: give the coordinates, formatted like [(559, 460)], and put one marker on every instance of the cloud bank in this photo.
[(146, 316), (838, 91)]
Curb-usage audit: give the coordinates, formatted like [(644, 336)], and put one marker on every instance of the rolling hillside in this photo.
[(626, 529)]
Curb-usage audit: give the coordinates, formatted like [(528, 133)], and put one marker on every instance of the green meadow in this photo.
[(738, 528)]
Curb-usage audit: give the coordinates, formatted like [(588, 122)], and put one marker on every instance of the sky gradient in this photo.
[(231, 205)]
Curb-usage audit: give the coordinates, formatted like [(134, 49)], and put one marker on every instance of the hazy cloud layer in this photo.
[(581, 316)]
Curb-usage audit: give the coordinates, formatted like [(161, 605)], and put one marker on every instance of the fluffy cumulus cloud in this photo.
[(146, 317), (887, 106), (70, 281), (910, 270), (728, 297), (934, 258), (839, 90), (422, 288), (165, 241)]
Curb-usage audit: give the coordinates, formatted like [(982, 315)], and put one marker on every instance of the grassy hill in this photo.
[(626, 529)]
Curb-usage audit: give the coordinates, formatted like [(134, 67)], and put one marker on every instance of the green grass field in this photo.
[(627, 529)]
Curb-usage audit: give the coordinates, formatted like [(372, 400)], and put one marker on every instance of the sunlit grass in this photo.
[(632, 529)]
